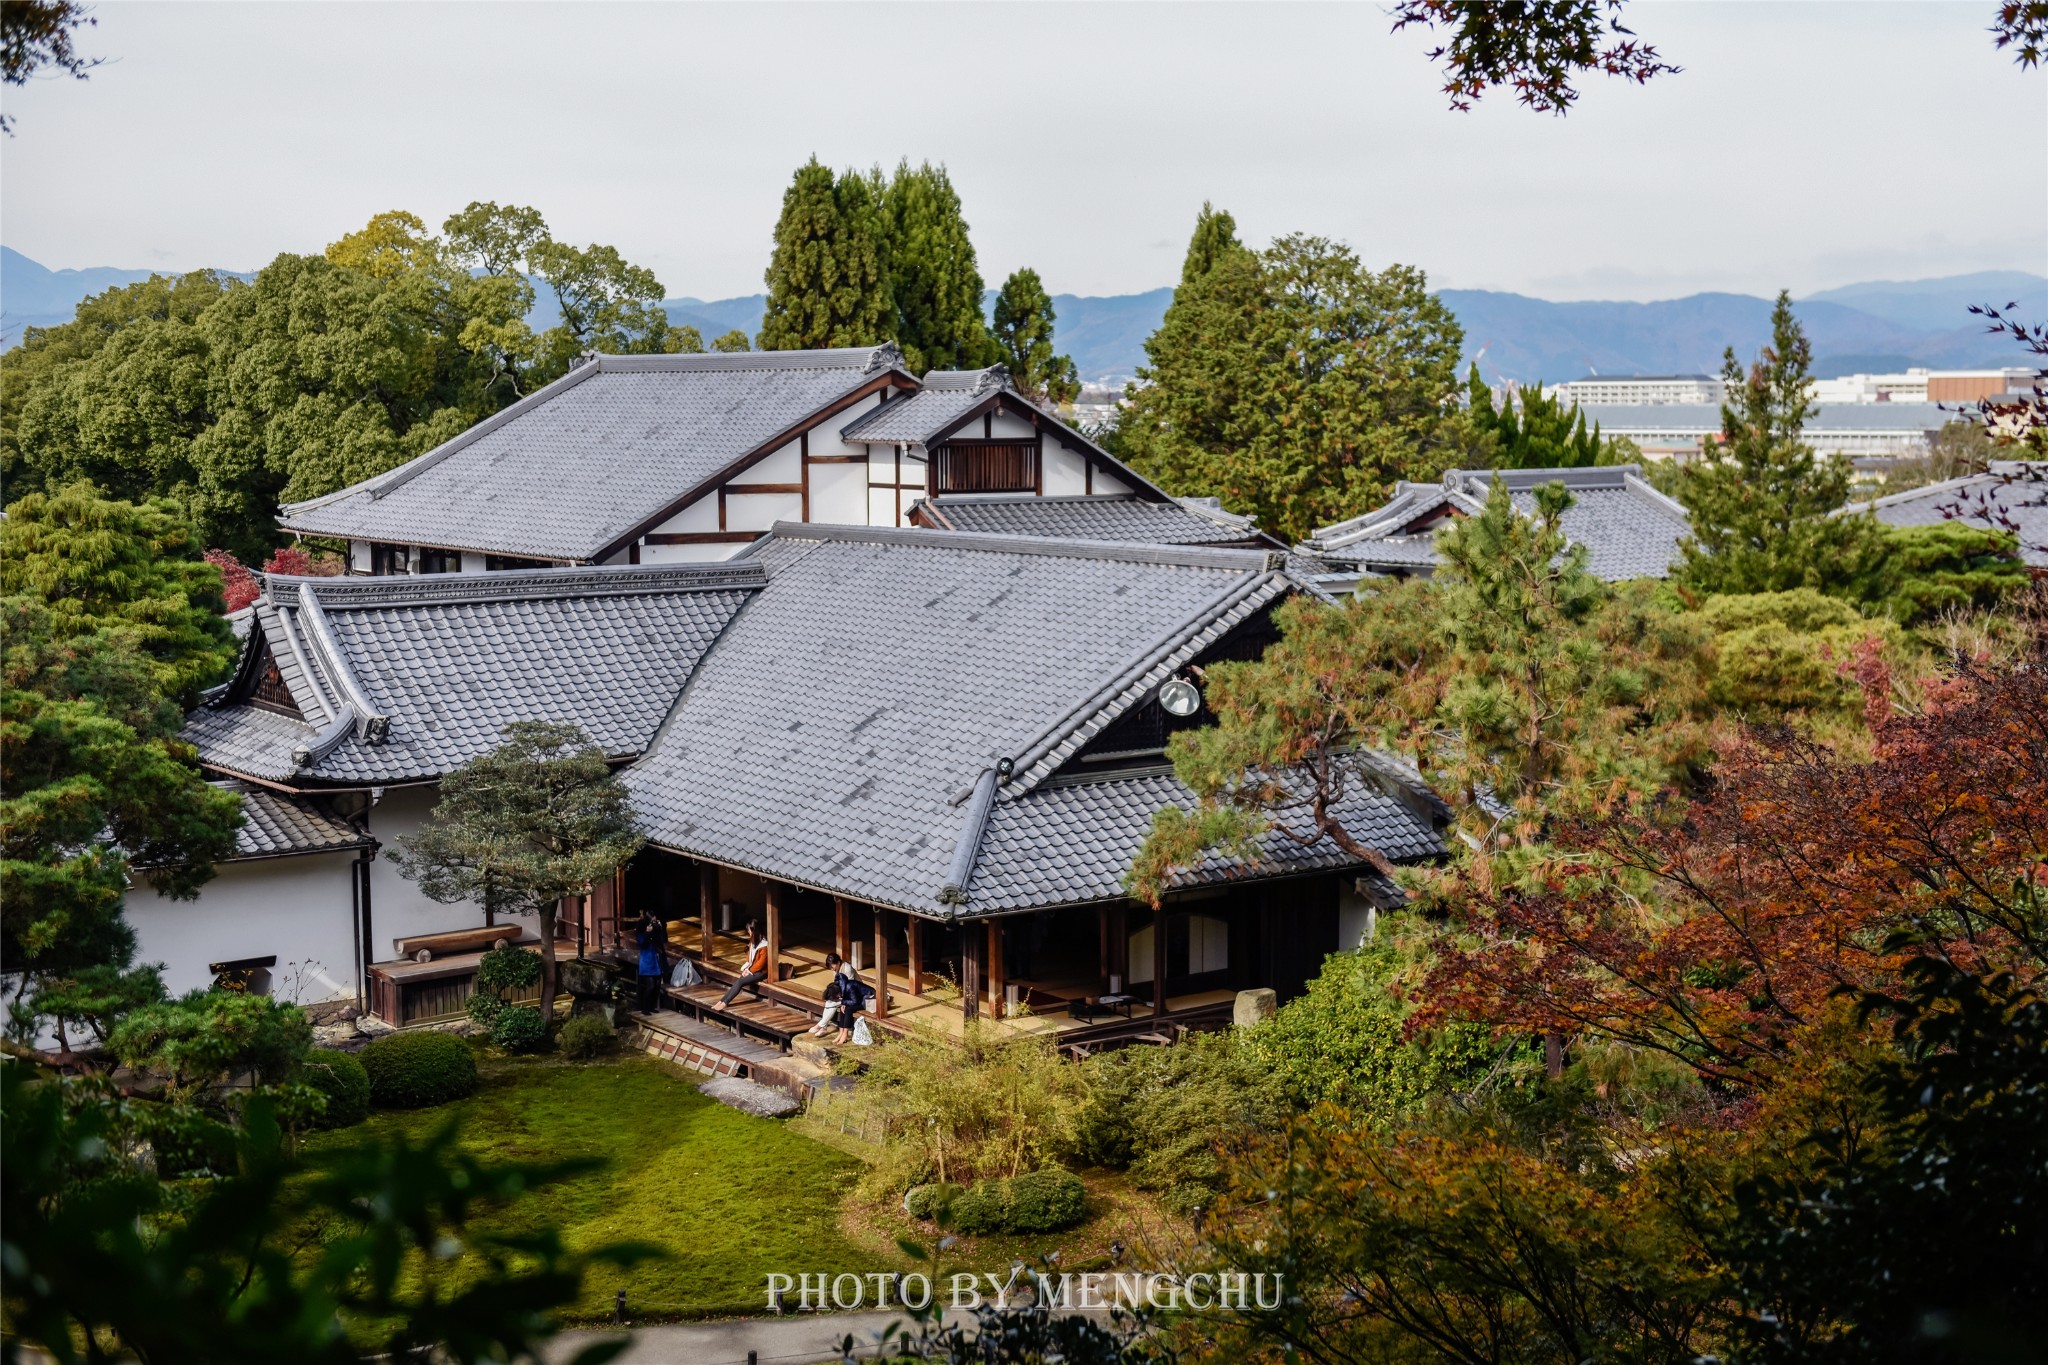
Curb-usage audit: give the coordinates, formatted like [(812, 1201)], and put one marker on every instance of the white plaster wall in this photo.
[(882, 464), (472, 562), (298, 910), (881, 507), (839, 493), (825, 439), (784, 466), (701, 515), (397, 908), (359, 556), (1108, 483), (759, 511), (1065, 473), (688, 554), (1005, 427), (1357, 920)]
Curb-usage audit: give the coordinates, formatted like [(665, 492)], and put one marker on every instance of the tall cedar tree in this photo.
[(1024, 339), (1544, 434), (1295, 384), (227, 397), (1214, 237), (1758, 497), (1805, 873), (112, 624), (539, 818), (934, 281), (828, 279), (1515, 677)]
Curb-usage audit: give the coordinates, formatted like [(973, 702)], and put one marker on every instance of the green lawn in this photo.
[(728, 1196)]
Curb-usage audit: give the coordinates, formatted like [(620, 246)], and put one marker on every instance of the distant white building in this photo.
[(1641, 390), (1921, 386), (1675, 430)]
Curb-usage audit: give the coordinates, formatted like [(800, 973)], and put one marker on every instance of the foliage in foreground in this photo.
[(98, 1248)]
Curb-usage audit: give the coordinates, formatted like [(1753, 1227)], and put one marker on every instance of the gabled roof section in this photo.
[(573, 469), (1629, 529), (1120, 516), (278, 826), (2012, 490), (839, 734), (406, 678)]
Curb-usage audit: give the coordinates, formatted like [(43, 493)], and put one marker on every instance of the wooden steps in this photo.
[(713, 1049), (764, 1019)]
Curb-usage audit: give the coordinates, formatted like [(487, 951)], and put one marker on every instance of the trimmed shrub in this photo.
[(499, 972), (925, 1201), (416, 1070), (520, 1028), (982, 1207), (586, 1036), (1046, 1201), (341, 1078)]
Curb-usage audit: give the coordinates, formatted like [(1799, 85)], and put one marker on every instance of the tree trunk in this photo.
[(547, 961)]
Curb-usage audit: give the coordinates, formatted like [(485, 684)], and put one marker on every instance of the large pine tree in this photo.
[(1024, 339), (828, 280), (934, 281)]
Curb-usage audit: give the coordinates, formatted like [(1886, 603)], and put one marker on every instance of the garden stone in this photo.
[(750, 1097), (1254, 1007), (585, 979)]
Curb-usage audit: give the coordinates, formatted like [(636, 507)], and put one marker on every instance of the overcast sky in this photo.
[(1805, 145)]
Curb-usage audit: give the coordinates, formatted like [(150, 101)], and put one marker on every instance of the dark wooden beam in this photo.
[(705, 537), (842, 937), (742, 489), (972, 947), (916, 935), (1158, 962), (995, 967), (707, 903), (775, 931), (881, 963)]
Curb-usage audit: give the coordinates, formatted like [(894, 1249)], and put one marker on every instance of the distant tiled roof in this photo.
[(846, 731), (2013, 491), (401, 679), (924, 416), (574, 467), (275, 825), (1125, 517), (1629, 529)]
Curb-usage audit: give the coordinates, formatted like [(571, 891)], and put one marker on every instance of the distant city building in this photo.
[(1675, 430), (1921, 386), (1642, 390)]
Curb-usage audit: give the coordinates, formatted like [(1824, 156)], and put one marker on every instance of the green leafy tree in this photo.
[(828, 279), (1543, 434), (934, 282), (1214, 237), (111, 622), (1759, 498), (1024, 339), (732, 342), (1916, 574), (207, 1038), (1295, 384), (607, 304), (1537, 50), (534, 821), (36, 35), (105, 1260)]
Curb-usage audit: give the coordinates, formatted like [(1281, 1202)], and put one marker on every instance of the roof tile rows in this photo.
[(275, 825), (1097, 517), (2013, 491)]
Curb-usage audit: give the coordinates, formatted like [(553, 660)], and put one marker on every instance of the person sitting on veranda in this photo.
[(853, 998), (754, 970), (835, 991)]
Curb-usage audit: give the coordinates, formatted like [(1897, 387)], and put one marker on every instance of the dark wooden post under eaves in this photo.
[(775, 931), (842, 934), (707, 903), (881, 963), (1159, 962), (916, 936), (995, 968), (972, 946)]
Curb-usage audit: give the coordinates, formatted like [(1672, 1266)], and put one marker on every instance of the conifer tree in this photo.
[(828, 280), (1024, 338), (1215, 235), (1544, 434), (934, 281), (1759, 497)]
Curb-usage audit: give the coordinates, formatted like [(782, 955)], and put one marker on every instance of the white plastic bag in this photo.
[(685, 973), (861, 1036)]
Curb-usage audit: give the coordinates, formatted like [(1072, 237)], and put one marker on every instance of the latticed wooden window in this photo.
[(985, 467)]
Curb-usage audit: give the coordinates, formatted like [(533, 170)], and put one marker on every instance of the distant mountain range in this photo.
[(1878, 326)]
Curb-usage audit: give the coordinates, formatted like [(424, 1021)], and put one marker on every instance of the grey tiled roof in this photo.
[(572, 468), (834, 735), (1124, 517), (2014, 491), (923, 417), (407, 678), (1068, 842), (277, 826), (1629, 529)]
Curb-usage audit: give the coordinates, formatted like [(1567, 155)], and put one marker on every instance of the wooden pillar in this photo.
[(1103, 959), (881, 963), (774, 931), (1158, 962), (707, 904), (995, 967), (842, 934), (915, 927), (972, 945)]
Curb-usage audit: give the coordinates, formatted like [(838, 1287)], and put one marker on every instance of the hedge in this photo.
[(520, 1028), (341, 1078), (585, 1036), (416, 1070), (1038, 1201)]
